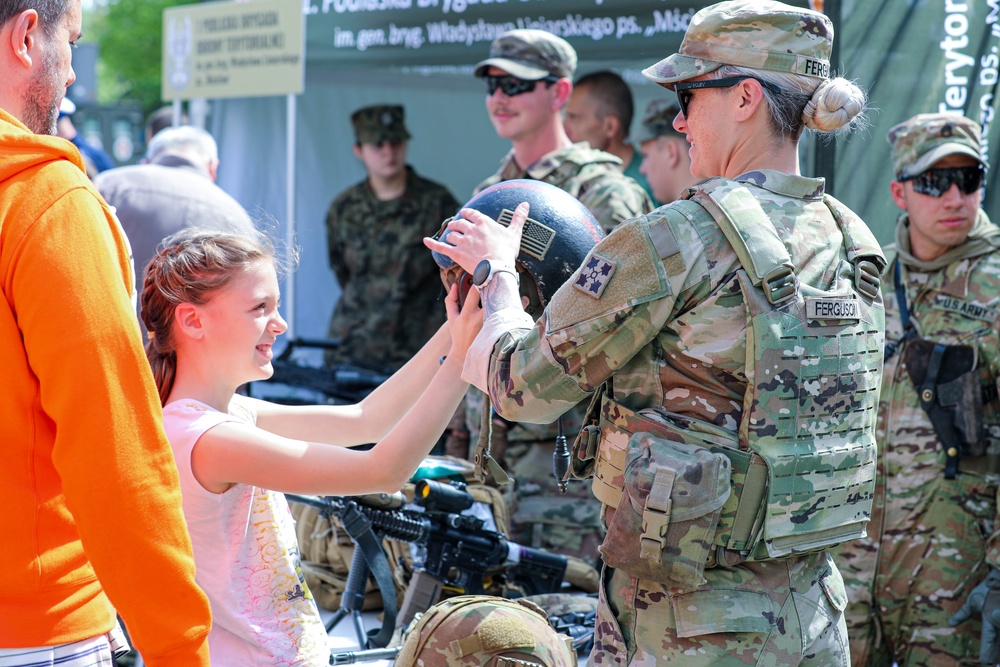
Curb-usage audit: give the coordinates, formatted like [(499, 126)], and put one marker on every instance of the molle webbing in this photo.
[(803, 465), (814, 360)]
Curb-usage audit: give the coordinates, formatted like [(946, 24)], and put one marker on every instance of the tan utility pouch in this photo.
[(673, 496)]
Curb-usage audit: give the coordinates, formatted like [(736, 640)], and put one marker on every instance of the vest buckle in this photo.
[(779, 284)]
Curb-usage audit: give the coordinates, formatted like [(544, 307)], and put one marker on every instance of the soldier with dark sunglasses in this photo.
[(528, 81), (927, 561), (730, 345)]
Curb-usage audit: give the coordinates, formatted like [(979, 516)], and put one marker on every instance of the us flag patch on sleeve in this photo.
[(594, 276)]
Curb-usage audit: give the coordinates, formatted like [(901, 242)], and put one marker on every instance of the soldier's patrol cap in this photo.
[(657, 121), (530, 55), (921, 141), (382, 122), (757, 34)]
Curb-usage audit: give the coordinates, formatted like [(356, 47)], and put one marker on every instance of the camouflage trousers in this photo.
[(924, 554), (540, 516), (780, 613)]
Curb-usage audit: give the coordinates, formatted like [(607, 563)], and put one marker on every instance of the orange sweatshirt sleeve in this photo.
[(71, 285)]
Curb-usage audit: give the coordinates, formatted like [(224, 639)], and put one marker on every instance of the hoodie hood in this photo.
[(22, 149)]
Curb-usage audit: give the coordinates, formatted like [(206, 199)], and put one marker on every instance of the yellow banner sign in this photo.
[(233, 49)]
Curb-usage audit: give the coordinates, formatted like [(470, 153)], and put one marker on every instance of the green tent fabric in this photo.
[(915, 57), (386, 33)]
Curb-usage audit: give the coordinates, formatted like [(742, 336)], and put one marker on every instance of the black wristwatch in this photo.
[(488, 268)]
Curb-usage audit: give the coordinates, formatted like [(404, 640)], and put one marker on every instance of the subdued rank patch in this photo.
[(595, 274), (819, 308)]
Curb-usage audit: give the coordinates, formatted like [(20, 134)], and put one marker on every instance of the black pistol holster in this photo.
[(950, 393)]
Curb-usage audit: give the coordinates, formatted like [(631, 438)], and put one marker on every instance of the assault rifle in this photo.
[(455, 550)]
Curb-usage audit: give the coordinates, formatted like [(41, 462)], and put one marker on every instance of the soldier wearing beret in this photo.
[(931, 553), (389, 303), (666, 162), (731, 345)]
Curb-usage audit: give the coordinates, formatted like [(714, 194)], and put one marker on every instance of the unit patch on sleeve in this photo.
[(595, 274)]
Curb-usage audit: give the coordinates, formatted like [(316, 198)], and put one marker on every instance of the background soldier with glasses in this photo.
[(528, 78), (931, 541)]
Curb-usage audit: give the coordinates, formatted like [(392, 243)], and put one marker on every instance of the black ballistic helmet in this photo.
[(558, 234)]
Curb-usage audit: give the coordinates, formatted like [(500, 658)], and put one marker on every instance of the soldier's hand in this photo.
[(985, 600), (473, 237)]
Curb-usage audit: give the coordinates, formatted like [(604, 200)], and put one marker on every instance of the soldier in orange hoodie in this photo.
[(91, 514)]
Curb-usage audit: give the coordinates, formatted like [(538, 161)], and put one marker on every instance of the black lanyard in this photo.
[(892, 347)]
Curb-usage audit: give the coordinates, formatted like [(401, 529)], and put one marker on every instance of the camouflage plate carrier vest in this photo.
[(800, 477)]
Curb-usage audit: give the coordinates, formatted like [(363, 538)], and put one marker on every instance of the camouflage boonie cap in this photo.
[(382, 122), (657, 121), (758, 34), (530, 55), (921, 141)]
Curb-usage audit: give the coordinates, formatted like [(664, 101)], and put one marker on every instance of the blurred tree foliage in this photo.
[(129, 34)]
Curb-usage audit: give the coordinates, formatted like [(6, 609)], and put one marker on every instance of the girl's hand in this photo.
[(474, 236), (463, 324)]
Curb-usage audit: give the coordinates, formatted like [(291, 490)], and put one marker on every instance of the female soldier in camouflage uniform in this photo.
[(733, 342)]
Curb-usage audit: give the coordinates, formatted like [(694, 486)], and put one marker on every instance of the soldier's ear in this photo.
[(612, 125), (673, 149), (356, 148), (898, 192), (563, 89)]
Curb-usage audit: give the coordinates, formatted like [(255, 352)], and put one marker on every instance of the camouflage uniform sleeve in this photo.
[(335, 240), (619, 300), (993, 541), (613, 200)]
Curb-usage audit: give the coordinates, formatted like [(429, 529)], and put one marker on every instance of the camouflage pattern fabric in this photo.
[(378, 123), (917, 143), (775, 614), (592, 176), (480, 631), (391, 300), (657, 121), (757, 34), (541, 516), (530, 54), (929, 538), (669, 325)]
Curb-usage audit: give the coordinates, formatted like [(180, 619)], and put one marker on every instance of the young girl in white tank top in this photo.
[(210, 304)]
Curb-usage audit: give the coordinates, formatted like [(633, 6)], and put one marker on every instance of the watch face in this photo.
[(481, 273)]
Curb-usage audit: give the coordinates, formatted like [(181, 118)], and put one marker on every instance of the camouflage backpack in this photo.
[(326, 549), (484, 631)]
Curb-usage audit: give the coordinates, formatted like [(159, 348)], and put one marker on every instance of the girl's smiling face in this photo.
[(241, 322)]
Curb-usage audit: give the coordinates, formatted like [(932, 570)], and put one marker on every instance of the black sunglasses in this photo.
[(936, 182), (684, 93), (511, 85)]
